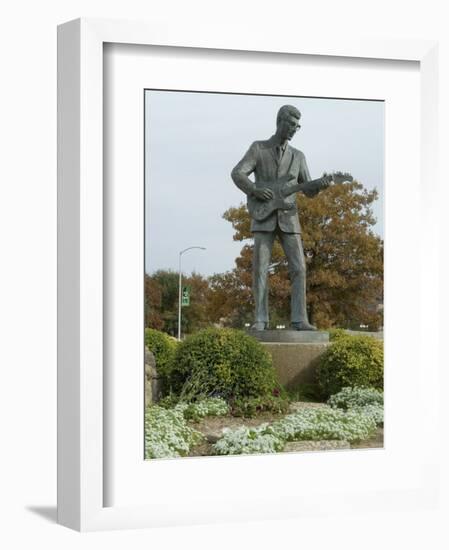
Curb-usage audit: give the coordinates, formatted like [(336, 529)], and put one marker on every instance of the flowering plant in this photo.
[(210, 406), (375, 411), (305, 424), (167, 434), (324, 423), (245, 440), (348, 398), (367, 400)]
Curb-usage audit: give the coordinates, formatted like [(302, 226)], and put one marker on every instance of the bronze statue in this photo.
[(279, 171)]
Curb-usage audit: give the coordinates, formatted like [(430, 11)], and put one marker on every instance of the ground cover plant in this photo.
[(245, 440), (351, 415), (211, 406), (304, 425), (167, 434), (367, 400)]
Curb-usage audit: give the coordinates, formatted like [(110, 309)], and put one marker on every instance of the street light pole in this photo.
[(180, 285)]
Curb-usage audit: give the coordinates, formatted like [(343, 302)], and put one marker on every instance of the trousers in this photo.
[(292, 245)]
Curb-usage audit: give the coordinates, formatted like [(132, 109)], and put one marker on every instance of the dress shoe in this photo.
[(302, 326), (259, 326)]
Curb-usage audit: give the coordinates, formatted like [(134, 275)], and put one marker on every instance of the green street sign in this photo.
[(185, 296)]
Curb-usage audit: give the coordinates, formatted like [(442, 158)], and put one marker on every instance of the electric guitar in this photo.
[(260, 209)]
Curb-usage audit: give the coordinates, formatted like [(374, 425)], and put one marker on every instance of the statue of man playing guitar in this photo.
[(280, 171)]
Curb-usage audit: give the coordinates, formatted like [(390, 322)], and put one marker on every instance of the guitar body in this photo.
[(260, 210)]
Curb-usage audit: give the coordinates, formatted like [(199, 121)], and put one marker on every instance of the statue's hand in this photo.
[(264, 194)]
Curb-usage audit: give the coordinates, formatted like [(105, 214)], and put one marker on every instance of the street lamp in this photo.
[(180, 285)]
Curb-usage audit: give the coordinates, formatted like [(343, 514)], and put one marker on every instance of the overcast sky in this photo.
[(193, 140)]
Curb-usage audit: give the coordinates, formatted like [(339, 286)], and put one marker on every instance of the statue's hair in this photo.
[(286, 112)]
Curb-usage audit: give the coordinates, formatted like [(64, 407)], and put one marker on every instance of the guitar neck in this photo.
[(311, 185)]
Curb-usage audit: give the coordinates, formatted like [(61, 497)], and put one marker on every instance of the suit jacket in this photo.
[(262, 160)]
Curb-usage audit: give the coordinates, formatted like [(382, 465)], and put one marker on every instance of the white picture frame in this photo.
[(82, 394)]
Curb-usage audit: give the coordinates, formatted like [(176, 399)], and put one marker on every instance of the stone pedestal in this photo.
[(295, 363), (295, 353), (291, 336)]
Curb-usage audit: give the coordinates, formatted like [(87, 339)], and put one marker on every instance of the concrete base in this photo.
[(291, 336), (295, 363)]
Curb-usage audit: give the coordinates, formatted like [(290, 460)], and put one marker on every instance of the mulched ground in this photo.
[(214, 425)]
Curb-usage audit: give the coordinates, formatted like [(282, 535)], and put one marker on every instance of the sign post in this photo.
[(181, 288), (185, 300)]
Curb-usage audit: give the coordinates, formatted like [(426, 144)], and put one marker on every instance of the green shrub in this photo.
[(249, 407), (225, 363), (351, 361), (335, 333), (169, 401), (163, 347)]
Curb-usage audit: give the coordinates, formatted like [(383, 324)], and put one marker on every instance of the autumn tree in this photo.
[(344, 262), (153, 302), (166, 308), (195, 316), (161, 301), (230, 300)]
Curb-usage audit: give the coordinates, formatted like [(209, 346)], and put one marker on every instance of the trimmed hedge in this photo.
[(351, 361), (222, 362), (163, 347), (335, 333)]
